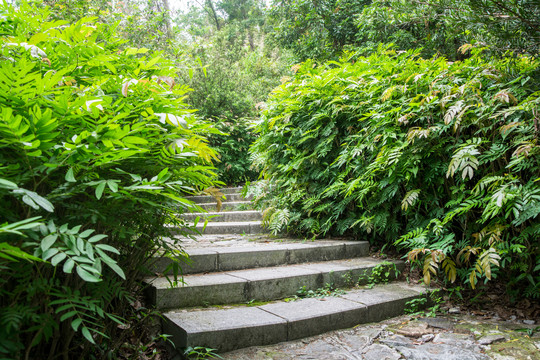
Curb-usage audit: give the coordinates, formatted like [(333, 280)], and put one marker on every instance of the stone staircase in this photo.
[(239, 290), (229, 220)]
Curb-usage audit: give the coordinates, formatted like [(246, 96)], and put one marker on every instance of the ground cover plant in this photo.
[(439, 158), (97, 149)]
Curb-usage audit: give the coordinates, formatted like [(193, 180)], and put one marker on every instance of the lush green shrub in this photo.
[(227, 90), (234, 166), (97, 148), (316, 29), (442, 26), (437, 157)]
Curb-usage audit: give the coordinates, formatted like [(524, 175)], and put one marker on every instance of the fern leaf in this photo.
[(453, 111), (410, 199)]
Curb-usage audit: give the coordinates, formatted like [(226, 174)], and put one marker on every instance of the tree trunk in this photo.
[(213, 10), (167, 17)]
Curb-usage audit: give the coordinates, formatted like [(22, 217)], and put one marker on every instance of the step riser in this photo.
[(285, 321), (231, 190), (226, 206), (232, 216), (224, 259), (241, 288), (231, 229), (205, 199)]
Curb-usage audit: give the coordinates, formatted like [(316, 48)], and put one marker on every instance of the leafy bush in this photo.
[(96, 149), (226, 92), (234, 167), (442, 26), (316, 29), (437, 157)]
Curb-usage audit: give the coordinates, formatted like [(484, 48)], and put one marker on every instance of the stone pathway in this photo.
[(445, 337)]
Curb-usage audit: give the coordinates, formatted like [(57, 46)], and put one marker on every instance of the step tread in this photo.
[(239, 254), (204, 199), (228, 223), (269, 245), (212, 213), (225, 206), (229, 328), (267, 273), (225, 216)]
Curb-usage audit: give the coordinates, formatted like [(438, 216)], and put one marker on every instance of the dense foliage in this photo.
[(442, 26), (439, 158), (143, 23), (233, 71), (232, 145), (321, 29), (316, 29), (97, 148)]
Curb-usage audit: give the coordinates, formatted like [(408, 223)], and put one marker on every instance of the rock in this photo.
[(502, 357), (380, 352), (397, 340), (454, 310), (355, 341), (433, 351), (490, 339), (529, 322), (426, 338), (414, 329), (439, 323), (454, 339), (513, 318)]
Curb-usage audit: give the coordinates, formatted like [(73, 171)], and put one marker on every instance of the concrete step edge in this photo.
[(232, 190), (213, 259), (229, 227), (226, 206), (263, 284), (238, 327), (204, 199), (226, 216)]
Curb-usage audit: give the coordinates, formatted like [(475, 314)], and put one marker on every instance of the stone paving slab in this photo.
[(389, 300), (223, 329), (307, 317), (348, 272), (282, 320), (197, 290), (273, 283), (261, 284)]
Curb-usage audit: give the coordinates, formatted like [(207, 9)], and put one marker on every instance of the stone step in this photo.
[(204, 199), (231, 227), (226, 206), (225, 228), (264, 254), (232, 190), (232, 328), (226, 216), (263, 284)]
